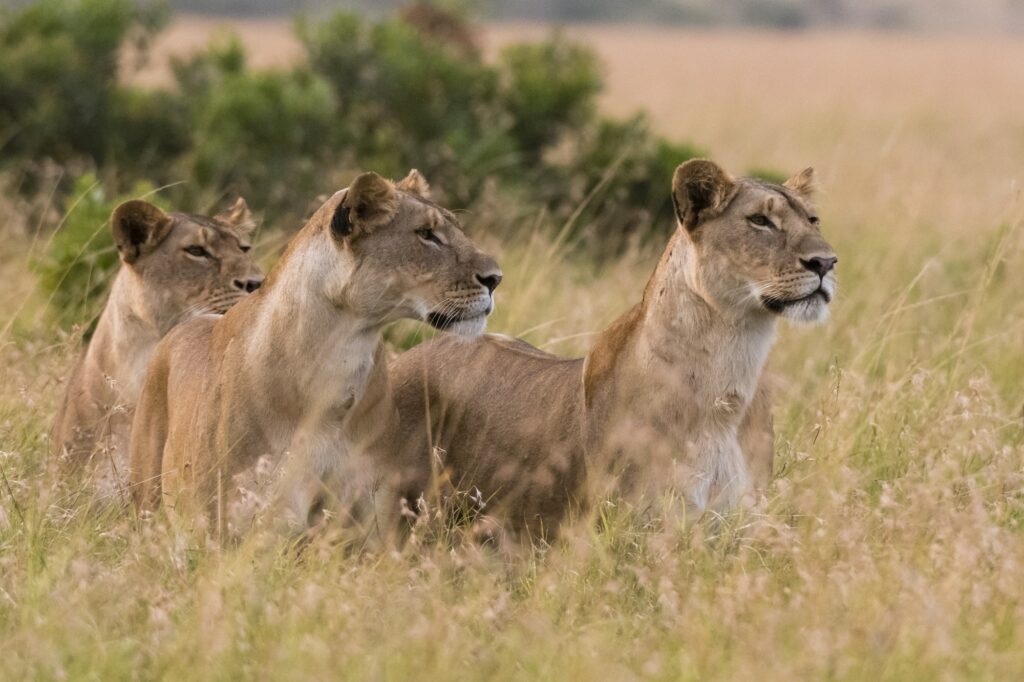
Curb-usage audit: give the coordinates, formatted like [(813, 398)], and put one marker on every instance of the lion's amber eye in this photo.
[(197, 251), (761, 220), (428, 235)]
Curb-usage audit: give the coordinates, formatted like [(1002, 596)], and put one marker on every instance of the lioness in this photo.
[(665, 399), (173, 265), (271, 411)]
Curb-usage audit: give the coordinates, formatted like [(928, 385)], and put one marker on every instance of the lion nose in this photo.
[(491, 280), (819, 266), (249, 285)]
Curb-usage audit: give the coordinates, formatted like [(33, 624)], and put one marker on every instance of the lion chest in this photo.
[(304, 455), (684, 407)]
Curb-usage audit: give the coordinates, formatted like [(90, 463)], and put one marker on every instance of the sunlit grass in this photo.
[(890, 545)]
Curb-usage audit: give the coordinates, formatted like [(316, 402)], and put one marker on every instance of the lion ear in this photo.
[(699, 189), (803, 183), (415, 183), (239, 216), (369, 202), (138, 228)]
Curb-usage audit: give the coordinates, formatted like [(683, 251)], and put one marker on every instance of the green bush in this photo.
[(152, 129), (615, 185), (257, 134), (81, 259), (408, 99), (549, 88), (412, 90), (58, 76)]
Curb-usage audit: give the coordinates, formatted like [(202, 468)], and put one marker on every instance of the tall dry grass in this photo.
[(891, 545)]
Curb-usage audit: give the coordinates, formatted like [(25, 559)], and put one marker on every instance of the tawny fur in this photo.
[(271, 414), (671, 397), (158, 286)]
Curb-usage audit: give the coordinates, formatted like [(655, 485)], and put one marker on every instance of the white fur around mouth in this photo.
[(780, 305), (446, 319), (463, 325), (470, 326), (810, 309)]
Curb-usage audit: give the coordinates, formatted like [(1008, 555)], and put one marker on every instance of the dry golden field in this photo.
[(891, 545)]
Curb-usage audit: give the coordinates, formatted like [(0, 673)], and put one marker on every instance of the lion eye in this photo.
[(428, 235), (197, 252), (761, 220), (814, 220)]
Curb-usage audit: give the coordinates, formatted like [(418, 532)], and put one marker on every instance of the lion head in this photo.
[(757, 245), (186, 264), (406, 257)]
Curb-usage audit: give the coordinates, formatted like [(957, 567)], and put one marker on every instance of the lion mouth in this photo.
[(778, 305), (222, 307), (444, 321)]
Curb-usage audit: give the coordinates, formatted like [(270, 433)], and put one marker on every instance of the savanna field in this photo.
[(890, 545)]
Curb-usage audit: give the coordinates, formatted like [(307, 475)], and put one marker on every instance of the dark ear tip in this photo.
[(137, 209), (703, 167), (135, 223), (126, 208), (698, 185)]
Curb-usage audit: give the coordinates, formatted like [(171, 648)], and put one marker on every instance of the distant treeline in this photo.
[(786, 14)]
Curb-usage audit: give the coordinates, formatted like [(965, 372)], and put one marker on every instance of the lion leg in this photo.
[(757, 436), (149, 437)]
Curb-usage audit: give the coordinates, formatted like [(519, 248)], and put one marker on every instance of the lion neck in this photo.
[(127, 332), (715, 354), (678, 373), (305, 349)]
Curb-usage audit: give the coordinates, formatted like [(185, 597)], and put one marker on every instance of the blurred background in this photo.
[(891, 541), (575, 125)]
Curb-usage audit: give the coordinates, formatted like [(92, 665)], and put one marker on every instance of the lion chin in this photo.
[(811, 309), (473, 325)]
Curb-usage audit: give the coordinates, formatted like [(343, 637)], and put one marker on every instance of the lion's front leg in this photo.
[(716, 478)]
